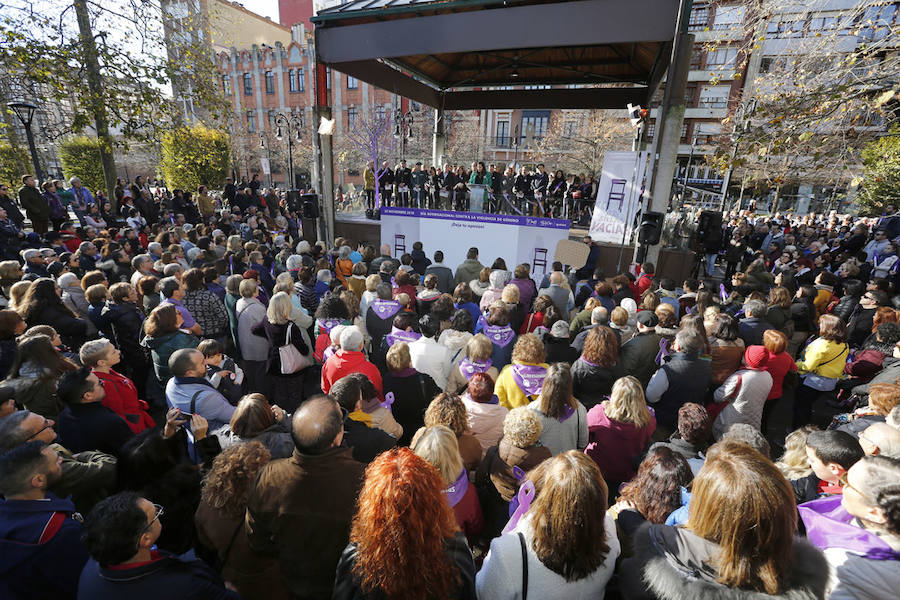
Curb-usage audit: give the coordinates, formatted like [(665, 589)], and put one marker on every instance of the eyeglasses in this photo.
[(845, 482), (159, 512), (47, 425)]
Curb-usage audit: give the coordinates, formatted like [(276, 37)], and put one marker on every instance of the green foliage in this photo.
[(881, 178), (80, 157), (14, 162), (193, 156)]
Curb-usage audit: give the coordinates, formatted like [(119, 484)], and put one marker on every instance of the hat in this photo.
[(31, 253), (756, 357), (251, 274), (647, 318), (560, 329)]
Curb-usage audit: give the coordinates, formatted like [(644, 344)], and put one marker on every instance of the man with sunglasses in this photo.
[(87, 476), (41, 555), (121, 534)]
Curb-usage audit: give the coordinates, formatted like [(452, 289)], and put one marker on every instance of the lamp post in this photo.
[(25, 112), (264, 145), (403, 130), (290, 123)]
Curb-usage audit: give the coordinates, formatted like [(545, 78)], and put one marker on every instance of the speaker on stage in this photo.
[(709, 227), (310, 206), (650, 230), (293, 200)]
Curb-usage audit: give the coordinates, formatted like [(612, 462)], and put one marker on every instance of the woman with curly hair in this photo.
[(794, 463), (163, 335), (43, 305), (448, 410), (220, 523), (567, 541), (598, 367), (404, 541), (439, 447), (563, 418), (520, 382)]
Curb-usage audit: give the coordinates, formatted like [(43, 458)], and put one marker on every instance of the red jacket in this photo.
[(643, 284), (344, 363), (122, 398)]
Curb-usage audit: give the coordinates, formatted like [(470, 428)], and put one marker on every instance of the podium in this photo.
[(477, 196)]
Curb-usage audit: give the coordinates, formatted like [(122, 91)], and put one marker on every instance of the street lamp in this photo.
[(403, 129), (25, 112), (290, 124)]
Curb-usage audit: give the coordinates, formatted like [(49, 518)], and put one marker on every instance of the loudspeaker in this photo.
[(293, 200), (310, 206), (650, 230), (709, 227)]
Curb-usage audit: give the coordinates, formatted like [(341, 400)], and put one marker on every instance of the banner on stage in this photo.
[(517, 239), (618, 196)]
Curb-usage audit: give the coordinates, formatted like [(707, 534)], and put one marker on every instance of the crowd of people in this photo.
[(536, 191), (205, 405)]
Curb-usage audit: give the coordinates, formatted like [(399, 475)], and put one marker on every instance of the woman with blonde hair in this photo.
[(564, 419), (411, 391), (619, 430), (520, 382), (740, 534), (299, 315), (618, 320), (477, 359), (220, 521), (565, 546), (449, 410), (649, 301), (280, 332), (794, 463), (439, 447), (404, 540)]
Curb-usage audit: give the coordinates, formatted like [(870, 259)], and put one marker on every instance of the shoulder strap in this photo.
[(840, 353), (234, 535), (524, 566), (422, 386), (194, 401)]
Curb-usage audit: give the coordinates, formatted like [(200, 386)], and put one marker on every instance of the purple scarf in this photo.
[(398, 335), (385, 309), (457, 490), (329, 352), (568, 412), (529, 378), (499, 336), (326, 325), (469, 368), (828, 525), (586, 361)]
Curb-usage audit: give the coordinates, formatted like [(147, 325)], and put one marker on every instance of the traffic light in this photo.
[(650, 230)]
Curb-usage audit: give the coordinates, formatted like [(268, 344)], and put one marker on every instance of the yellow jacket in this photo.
[(369, 178), (510, 394), (824, 358), (823, 297)]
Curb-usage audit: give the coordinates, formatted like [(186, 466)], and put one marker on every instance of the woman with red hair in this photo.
[(404, 541)]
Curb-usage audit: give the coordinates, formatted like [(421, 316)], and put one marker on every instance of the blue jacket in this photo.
[(166, 576), (209, 404), (41, 555)]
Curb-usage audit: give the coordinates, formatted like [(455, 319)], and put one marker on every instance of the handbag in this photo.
[(291, 359)]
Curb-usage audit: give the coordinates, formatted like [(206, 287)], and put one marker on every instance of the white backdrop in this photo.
[(618, 196), (514, 238)]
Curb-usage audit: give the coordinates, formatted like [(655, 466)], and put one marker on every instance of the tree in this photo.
[(881, 178), (370, 139), (576, 140), (14, 162), (80, 157), (194, 156), (464, 138)]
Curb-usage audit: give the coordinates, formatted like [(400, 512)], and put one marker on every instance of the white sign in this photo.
[(517, 239), (618, 196), (264, 163)]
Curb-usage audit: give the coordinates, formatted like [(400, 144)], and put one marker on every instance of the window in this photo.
[(352, 117), (292, 81), (570, 129), (728, 17), (766, 63), (684, 130), (226, 84), (380, 113), (328, 77), (706, 133), (690, 94), (696, 58), (714, 96), (301, 80), (534, 124), (651, 130), (699, 18), (721, 57), (248, 84), (352, 83), (270, 82), (503, 134), (878, 21), (251, 122)]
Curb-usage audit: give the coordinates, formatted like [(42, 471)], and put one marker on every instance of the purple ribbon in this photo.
[(499, 335), (722, 293), (388, 400), (385, 309), (469, 368), (663, 351), (829, 525), (523, 502), (529, 378), (327, 325), (457, 490), (398, 335)]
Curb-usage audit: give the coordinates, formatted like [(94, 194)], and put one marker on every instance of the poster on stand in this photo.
[(517, 239), (618, 196)]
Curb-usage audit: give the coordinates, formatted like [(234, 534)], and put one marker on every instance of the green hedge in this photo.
[(80, 157), (194, 156)]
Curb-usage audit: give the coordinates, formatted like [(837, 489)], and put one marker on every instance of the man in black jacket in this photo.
[(85, 424), (8, 204), (366, 441), (638, 354), (35, 205)]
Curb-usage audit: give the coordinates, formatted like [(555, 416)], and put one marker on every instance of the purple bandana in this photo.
[(469, 368), (385, 309), (499, 336), (326, 325), (398, 335), (566, 414), (457, 489), (828, 525), (529, 378)]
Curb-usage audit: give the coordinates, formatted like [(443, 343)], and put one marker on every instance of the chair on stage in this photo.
[(616, 192), (540, 260), (399, 245)]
